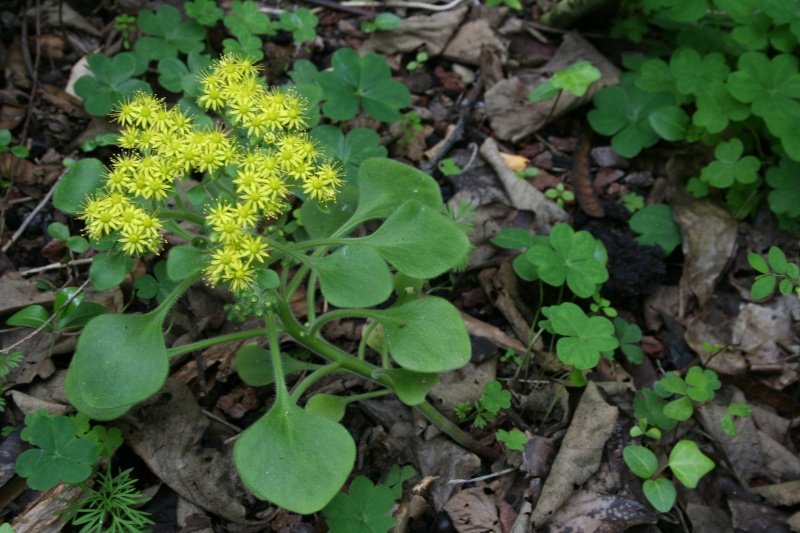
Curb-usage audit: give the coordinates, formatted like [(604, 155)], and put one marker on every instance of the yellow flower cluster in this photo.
[(263, 154)]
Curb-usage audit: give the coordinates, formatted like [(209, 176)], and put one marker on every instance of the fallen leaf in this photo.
[(474, 511), (587, 510)]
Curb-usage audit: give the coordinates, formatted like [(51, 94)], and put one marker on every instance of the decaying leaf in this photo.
[(429, 31), (580, 453), (474, 511), (587, 510)]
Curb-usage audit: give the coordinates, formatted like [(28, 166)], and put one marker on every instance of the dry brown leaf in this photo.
[(580, 453), (168, 434), (709, 244), (587, 510), (443, 458), (474, 511), (708, 519), (471, 38), (783, 494), (431, 32)]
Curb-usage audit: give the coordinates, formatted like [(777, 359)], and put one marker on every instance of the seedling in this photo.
[(560, 195), (383, 22), (126, 25), (633, 202), (362, 82), (513, 4), (411, 122), (514, 439), (483, 411), (529, 172), (76, 314), (109, 505), (601, 305), (5, 146), (74, 243), (769, 274), (449, 168), (395, 478), (687, 463), (418, 61), (511, 355), (575, 79)]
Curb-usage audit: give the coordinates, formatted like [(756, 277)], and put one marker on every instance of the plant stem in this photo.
[(207, 343), (313, 377), (281, 392), (365, 370)]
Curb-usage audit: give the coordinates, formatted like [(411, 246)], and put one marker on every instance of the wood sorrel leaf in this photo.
[(354, 276), (120, 360), (426, 335), (383, 185), (293, 458), (410, 387), (419, 241)]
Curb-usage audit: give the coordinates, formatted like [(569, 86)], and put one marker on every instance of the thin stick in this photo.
[(56, 266), (487, 476), (32, 214)]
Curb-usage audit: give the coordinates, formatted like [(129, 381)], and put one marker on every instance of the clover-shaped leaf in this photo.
[(576, 78), (159, 285), (514, 439), (656, 77), (495, 397), (302, 23), (246, 19), (716, 107), (730, 166), (670, 122), (784, 199), (693, 73), (59, 453), (583, 338), (688, 463), (359, 145), (245, 45), (362, 81), (784, 13), (364, 510), (167, 34), (772, 87), (629, 336), (655, 225), (205, 12), (650, 406), (571, 259), (111, 82), (623, 113)]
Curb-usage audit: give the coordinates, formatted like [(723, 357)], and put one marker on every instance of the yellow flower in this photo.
[(254, 248)]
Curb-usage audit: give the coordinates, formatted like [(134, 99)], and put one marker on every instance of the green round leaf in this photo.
[(426, 335), (354, 276), (109, 270), (183, 261), (295, 459), (411, 387), (640, 460), (758, 263), (660, 493), (81, 180), (763, 287), (328, 406)]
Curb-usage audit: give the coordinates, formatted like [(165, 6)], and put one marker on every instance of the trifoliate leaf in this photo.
[(364, 510), (583, 338), (730, 166), (655, 225)]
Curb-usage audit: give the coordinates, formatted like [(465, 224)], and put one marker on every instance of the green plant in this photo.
[(560, 195), (6, 528), (71, 311), (105, 139), (366, 82), (529, 172), (109, 506), (249, 168), (629, 336), (769, 274), (159, 285), (655, 225), (728, 76), (686, 462), (5, 146), (395, 478), (410, 123), (514, 439), (126, 25), (204, 12), (74, 243), (511, 355), (166, 34), (112, 81), (383, 22), (633, 202), (418, 61), (482, 411), (364, 510), (302, 23), (513, 4), (575, 79), (8, 362), (449, 168)]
